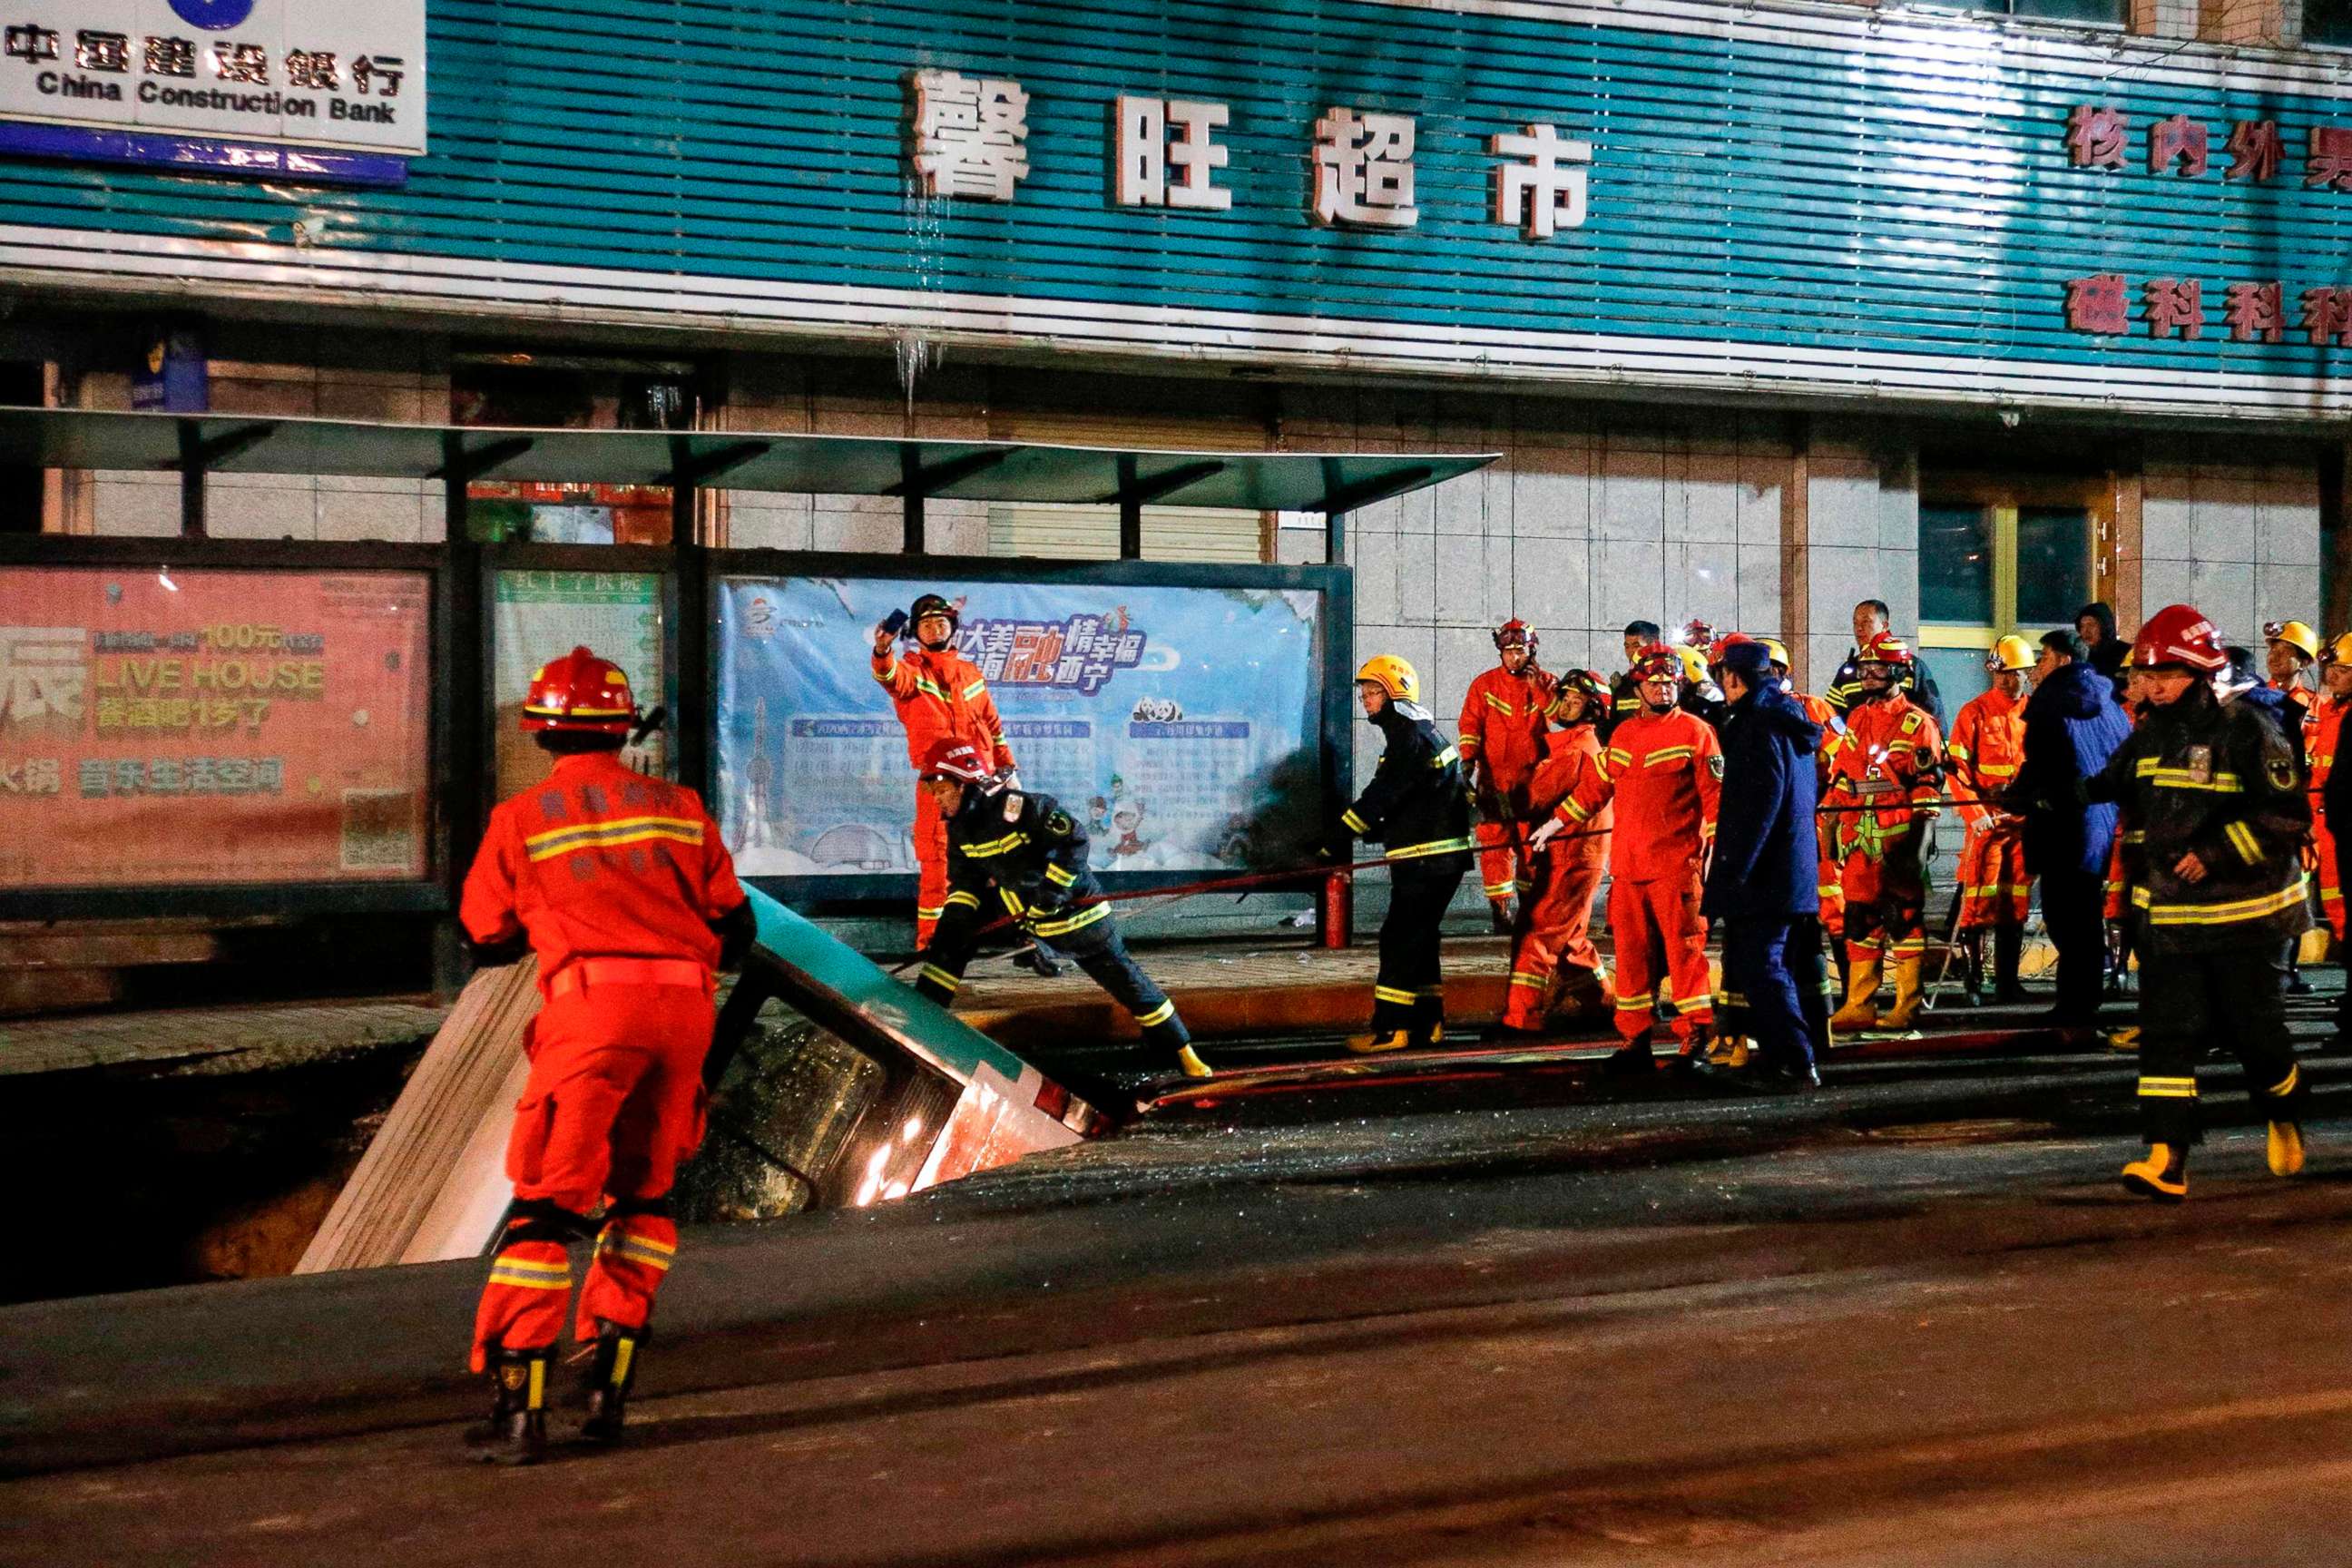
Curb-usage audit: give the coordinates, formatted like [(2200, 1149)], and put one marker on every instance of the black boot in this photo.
[(1631, 1059), (516, 1432), (2008, 955), (1973, 960), (610, 1374)]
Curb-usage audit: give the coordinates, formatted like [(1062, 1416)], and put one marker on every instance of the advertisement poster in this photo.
[(1177, 723), (162, 728), (542, 615)]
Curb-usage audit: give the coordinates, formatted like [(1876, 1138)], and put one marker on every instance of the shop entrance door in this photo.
[(2000, 553)]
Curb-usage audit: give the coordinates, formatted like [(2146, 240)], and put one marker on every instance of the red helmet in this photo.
[(1698, 634), (1516, 631), (2177, 634), (1884, 648), (1657, 659), (581, 693), (949, 758), (1725, 643)]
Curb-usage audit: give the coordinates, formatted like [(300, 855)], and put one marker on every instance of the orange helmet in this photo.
[(1657, 659), (1884, 648), (580, 694), (948, 758), (2177, 634)]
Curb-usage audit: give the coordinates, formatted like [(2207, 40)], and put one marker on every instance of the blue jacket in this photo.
[(2073, 725), (1767, 857)]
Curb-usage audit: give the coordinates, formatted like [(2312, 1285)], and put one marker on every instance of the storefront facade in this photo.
[(1766, 309)]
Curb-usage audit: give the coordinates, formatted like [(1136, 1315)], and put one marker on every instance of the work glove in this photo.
[(1553, 829)]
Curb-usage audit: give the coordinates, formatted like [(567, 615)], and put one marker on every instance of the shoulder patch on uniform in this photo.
[(2282, 773), (1911, 723), (1058, 823), (1714, 765), (1012, 804)]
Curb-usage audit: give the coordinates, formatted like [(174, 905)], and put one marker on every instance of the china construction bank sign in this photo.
[(227, 83)]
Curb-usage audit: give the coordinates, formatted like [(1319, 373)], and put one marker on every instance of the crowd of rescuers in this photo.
[(2172, 795)]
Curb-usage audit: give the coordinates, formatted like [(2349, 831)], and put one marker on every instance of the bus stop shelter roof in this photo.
[(732, 459)]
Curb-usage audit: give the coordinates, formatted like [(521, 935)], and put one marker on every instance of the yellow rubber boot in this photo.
[(1368, 1044), (1861, 1009), (1190, 1060), (1909, 972), (2162, 1173), (2285, 1149)]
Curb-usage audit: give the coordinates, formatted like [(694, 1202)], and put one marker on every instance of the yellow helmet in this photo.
[(2341, 650), (2296, 634), (2012, 652), (1392, 675), (1778, 650), (1693, 663)]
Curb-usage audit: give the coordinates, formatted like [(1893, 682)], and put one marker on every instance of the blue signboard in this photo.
[(1179, 723), (1745, 198)]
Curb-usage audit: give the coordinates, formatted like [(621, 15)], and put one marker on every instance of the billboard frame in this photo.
[(433, 893), (871, 893)]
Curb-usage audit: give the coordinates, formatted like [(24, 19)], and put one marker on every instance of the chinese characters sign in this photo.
[(325, 73), (211, 727), (1179, 723), (970, 137)]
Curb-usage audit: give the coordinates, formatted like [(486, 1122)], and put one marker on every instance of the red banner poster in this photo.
[(169, 728)]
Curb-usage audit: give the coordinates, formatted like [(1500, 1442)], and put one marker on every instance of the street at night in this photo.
[(1910, 1319)]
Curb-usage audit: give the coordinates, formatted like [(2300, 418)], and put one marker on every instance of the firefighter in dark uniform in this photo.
[(1022, 854), (1416, 805), (2214, 788)]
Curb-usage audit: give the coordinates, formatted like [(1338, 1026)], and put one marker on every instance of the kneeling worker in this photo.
[(1416, 806), (620, 884), (1023, 852)]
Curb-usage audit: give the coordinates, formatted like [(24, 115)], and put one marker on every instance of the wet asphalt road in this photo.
[(1912, 1319)]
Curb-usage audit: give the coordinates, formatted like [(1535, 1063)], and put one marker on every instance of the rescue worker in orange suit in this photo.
[(1552, 955), (2216, 789), (1986, 745), (1886, 773), (1501, 740), (2289, 648), (1416, 806), (1023, 854), (2323, 731), (1626, 691), (939, 694), (621, 886), (1664, 770)]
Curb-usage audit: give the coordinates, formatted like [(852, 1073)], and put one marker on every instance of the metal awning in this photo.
[(740, 460)]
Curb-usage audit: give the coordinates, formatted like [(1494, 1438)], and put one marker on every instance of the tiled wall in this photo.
[(292, 371), (2239, 541)]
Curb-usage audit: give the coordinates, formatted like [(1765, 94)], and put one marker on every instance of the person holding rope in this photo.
[(1552, 955), (1501, 740), (1886, 772), (1987, 746), (1022, 852), (1415, 805)]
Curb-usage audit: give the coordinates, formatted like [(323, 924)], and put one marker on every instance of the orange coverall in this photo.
[(1502, 734), (616, 879), (1664, 771), (1557, 891), (1986, 745), (1884, 772), (938, 694), (2322, 733)]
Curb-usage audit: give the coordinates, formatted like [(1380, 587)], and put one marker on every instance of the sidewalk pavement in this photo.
[(213, 1039)]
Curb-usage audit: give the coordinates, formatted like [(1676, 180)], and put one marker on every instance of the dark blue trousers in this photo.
[(1756, 969)]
